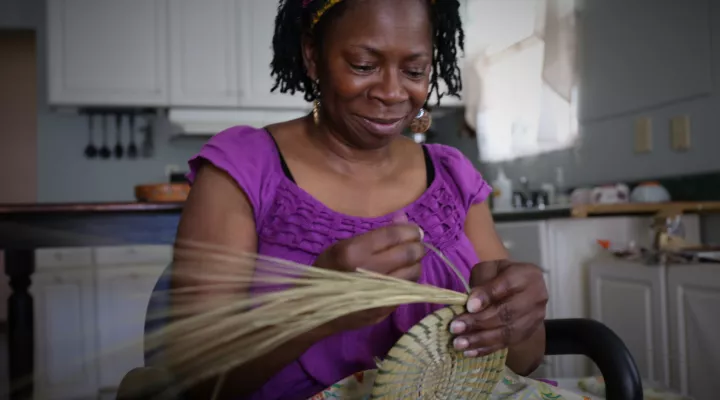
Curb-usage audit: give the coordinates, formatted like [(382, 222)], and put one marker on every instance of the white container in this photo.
[(650, 192), (502, 192)]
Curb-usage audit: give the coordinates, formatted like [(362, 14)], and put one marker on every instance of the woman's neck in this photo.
[(350, 159)]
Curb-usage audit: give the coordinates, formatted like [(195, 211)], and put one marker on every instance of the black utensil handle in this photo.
[(104, 128), (118, 128), (91, 128)]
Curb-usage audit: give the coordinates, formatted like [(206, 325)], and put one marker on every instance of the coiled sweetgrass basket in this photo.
[(424, 365)]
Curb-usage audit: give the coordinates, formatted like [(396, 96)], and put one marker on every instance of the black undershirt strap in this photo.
[(429, 167)]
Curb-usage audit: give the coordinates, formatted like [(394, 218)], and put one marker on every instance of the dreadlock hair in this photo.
[(294, 20)]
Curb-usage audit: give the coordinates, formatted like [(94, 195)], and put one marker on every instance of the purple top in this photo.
[(293, 225)]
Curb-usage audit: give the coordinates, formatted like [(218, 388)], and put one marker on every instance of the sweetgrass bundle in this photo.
[(267, 302)]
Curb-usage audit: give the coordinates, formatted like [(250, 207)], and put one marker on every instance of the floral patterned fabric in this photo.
[(512, 387)]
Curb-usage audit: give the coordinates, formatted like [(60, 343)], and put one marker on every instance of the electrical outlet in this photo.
[(680, 133), (643, 135)]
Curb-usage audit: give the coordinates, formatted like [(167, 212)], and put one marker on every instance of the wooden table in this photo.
[(24, 228)]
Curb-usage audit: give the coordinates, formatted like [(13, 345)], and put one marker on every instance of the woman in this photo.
[(343, 189)]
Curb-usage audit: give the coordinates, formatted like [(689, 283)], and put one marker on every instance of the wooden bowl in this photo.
[(162, 192)]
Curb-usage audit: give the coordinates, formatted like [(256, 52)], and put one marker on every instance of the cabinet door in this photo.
[(694, 292), (65, 363), (632, 62), (123, 293), (203, 53), (527, 241), (629, 298), (256, 21), (106, 52)]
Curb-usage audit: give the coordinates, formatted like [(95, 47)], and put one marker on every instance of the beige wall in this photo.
[(18, 128)]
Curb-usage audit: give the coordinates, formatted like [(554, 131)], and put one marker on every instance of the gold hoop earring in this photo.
[(421, 123), (316, 103), (316, 112)]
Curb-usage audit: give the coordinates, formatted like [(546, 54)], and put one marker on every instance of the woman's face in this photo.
[(373, 68)]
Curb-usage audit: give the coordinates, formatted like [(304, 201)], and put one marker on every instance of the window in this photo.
[(525, 83)]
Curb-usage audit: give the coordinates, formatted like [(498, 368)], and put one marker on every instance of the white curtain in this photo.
[(520, 77)]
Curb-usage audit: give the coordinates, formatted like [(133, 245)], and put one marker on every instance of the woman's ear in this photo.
[(309, 53)]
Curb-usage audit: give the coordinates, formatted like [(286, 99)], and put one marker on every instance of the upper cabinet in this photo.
[(256, 22), (108, 52), (171, 53), (204, 53), (164, 53), (635, 57)]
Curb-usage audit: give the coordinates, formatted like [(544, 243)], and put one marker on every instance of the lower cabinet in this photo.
[(667, 315), (564, 248), (124, 281), (90, 307), (65, 367)]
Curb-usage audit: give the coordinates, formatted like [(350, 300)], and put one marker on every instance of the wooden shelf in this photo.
[(669, 209)]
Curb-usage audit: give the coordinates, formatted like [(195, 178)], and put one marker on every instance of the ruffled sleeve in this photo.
[(469, 185), (249, 156)]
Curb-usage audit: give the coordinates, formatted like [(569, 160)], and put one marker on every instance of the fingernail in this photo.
[(422, 234), (471, 353), (457, 327), (484, 351), (460, 343), (474, 305)]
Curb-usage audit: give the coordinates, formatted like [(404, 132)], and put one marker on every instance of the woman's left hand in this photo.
[(506, 306)]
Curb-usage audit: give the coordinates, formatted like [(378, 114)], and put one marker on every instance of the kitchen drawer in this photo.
[(70, 257), (133, 255), (524, 240)]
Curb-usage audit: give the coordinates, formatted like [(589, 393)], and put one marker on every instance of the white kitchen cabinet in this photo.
[(667, 315), (105, 52), (527, 241), (565, 247), (256, 20), (694, 315), (125, 279), (204, 53), (63, 294), (90, 307), (629, 298)]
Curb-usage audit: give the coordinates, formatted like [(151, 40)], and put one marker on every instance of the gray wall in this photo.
[(64, 175), (656, 58)]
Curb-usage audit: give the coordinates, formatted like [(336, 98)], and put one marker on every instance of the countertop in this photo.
[(141, 207), (515, 215), (79, 208)]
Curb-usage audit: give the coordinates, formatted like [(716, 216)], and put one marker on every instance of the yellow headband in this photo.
[(327, 6)]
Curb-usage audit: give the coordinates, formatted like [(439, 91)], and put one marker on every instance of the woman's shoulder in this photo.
[(449, 155), (248, 155), (242, 139), (453, 166)]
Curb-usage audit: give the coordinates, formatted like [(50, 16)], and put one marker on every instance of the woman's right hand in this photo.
[(394, 250)]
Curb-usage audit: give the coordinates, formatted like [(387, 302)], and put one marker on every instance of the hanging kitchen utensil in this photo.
[(147, 144), (105, 149), (119, 149), (90, 150), (132, 148)]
